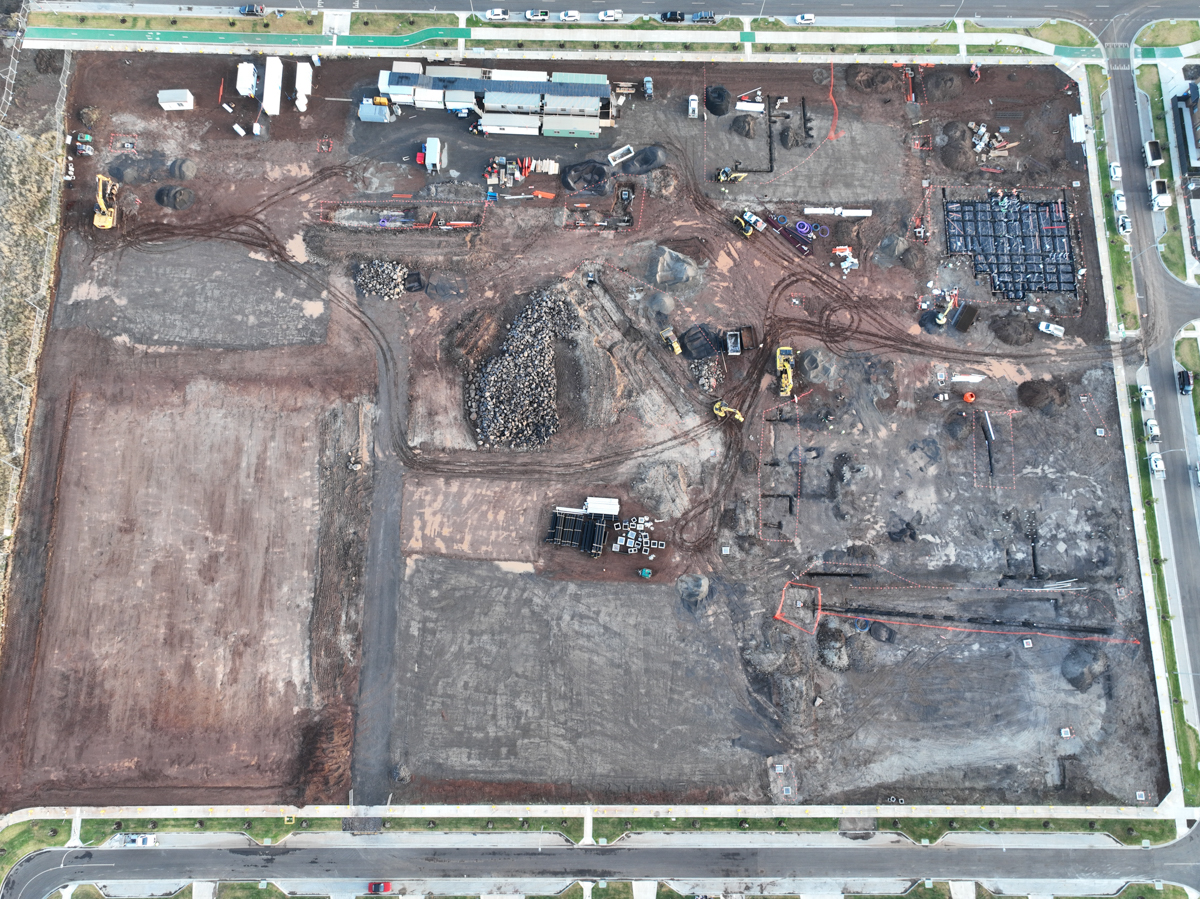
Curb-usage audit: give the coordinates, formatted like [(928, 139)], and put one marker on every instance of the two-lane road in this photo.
[(40, 875)]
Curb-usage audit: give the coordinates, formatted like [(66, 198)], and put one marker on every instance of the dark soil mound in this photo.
[(942, 85), (744, 125), (183, 169), (590, 177), (821, 75), (90, 116), (1191, 72), (1083, 664), (692, 590), (872, 79), (49, 62), (1013, 330), (956, 131), (645, 160), (717, 100), (1043, 395), (958, 156), (957, 425), (791, 137), (172, 197)]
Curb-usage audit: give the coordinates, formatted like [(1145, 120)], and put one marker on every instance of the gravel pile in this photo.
[(384, 279), (707, 373), (511, 400)]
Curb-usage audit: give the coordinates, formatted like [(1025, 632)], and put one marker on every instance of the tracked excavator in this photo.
[(105, 216), (783, 365), (722, 409)]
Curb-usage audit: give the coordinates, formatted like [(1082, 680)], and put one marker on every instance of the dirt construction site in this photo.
[(288, 527)]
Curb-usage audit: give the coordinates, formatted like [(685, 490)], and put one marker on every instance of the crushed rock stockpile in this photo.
[(512, 399), (389, 280)]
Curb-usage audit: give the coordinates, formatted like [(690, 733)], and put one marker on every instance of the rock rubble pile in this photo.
[(511, 400), (384, 279)]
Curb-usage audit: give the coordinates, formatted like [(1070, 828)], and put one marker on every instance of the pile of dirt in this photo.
[(956, 152), (1043, 395), (718, 100), (791, 136), (90, 116), (512, 400), (172, 197), (942, 85), (831, 646), (744, 125), (49, 62), (644, 161), (182, 169), (668, 268), (956, 131), (872, 79), (1191, 72), (692, 590), (1014, 330), (590, 177), (815, 365), (1083, 664), (662, 488), (707, 373)]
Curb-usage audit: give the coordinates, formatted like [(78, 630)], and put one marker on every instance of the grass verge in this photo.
[(1064, 34), (399, 23), (1119, 260), (96, 830), (1188, 355), (933, 829), (612, 828), (1186, 739), (291, 23), (571, 828), (585, 46), (1168, 34), (1172, 242), (771, 23), (89, 891), (19, 840)]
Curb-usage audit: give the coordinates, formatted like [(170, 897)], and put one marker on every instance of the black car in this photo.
[(672, 17), (1185, 382)]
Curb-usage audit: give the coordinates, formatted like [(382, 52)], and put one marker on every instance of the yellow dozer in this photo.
[(722, 408), (105, 216), (783, 365), (669, 338)]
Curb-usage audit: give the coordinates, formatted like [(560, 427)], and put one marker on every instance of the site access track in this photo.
[(41, 874)]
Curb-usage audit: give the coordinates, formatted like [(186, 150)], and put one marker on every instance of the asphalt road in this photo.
[(38, 876)]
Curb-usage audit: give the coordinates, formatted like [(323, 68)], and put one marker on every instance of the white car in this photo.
[(1114, 172), (693, 107), (1157, 468), (1152, 432), (1147, 394), (569, 15), (806, 18), (1119, 201), (141, 839), (611, 15), (1049, 328), (496, 15), (1124, 226), (537, 15)]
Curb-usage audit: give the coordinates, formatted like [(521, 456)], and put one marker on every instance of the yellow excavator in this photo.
[(783, 365), (722, 408), (105, 216)]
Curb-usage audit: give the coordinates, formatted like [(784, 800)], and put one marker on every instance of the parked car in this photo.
[(1124, 226), (380, 886), (1157, 468), (648, 88), (1152, 432), (704, 18), (537, 15), (1119, 201), (806, 18), (675, 16), (1049, 328), (141, 839), (569, 15), (1114, 171), (85, 150), (693, 107), (611, 15), (1185, 382), (496, 15), (86, 138), (1147, 395)]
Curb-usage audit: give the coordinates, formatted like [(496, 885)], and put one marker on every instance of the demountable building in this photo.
[(176, 99), (304, 75), (247, 79), (272, 85)]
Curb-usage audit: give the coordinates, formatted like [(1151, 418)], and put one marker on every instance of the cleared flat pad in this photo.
[(181, 594), (202, 294), (610, 687)]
